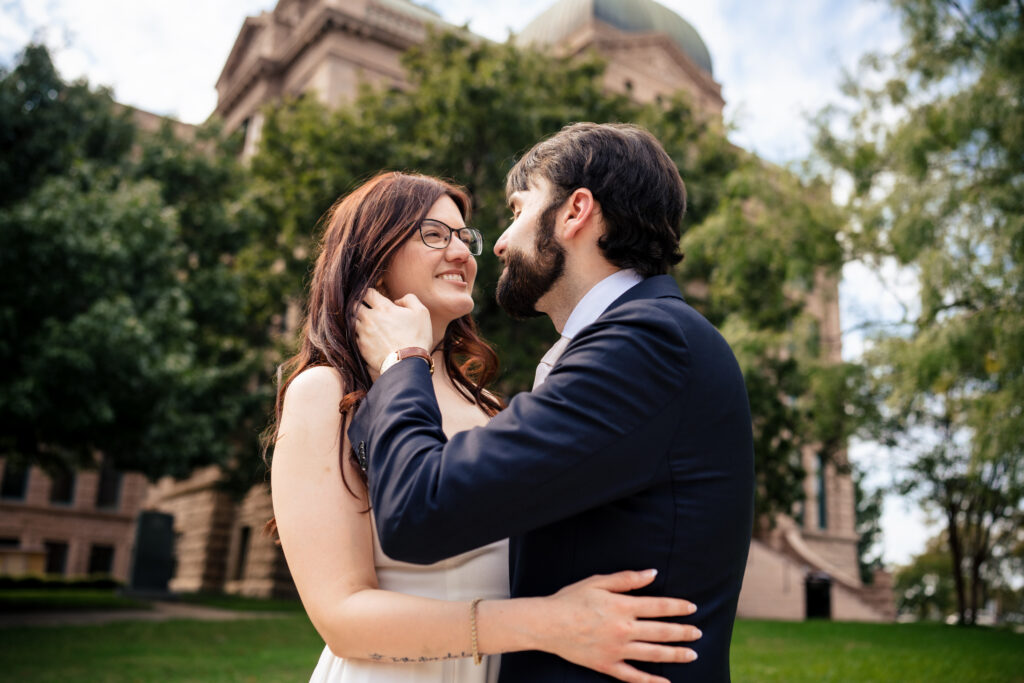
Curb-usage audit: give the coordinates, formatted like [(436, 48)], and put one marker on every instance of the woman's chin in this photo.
[(452, 311)]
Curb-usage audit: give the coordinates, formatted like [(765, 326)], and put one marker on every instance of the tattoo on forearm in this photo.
[(417, 660)]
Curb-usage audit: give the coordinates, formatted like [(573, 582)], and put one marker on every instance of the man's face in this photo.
[(533, 258)]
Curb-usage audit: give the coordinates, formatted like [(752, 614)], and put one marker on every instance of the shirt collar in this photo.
[(599, 298)]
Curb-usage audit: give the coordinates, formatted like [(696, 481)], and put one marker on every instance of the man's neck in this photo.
[(563, 298)]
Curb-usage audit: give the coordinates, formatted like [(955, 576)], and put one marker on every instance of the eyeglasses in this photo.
[(437, 235)]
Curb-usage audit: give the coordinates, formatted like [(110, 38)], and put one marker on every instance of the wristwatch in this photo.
[(402, 354)]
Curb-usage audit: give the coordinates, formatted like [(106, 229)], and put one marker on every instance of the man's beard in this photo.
[(524, 282)]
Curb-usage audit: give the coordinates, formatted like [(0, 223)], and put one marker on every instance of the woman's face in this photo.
[(442, 279)]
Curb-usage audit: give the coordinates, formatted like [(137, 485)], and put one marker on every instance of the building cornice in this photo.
[(7, 508), (379, 25)]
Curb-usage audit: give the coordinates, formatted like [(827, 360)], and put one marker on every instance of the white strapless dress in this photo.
[(479, 573)]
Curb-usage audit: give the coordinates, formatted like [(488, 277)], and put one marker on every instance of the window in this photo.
[(822, 501), (15, 481), (108, 493), (56, 557), (62, 486), (101, 559), (243, 551), (9, 542)]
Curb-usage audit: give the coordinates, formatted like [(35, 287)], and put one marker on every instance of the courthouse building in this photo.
[(802, 565)]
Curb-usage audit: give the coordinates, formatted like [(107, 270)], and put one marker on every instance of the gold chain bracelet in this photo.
[(472, 629)]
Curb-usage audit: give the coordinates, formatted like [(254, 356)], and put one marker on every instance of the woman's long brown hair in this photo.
[(363, 231)]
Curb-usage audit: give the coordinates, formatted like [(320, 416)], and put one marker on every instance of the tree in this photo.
[(121, 317), (751, 267), (758, 240), (49, 124), (933, 150), (868, 512), (924, 588)]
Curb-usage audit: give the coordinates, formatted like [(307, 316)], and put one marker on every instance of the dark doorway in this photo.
[(819, 595), (153, 554)]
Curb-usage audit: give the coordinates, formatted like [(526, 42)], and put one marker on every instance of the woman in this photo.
[(384, 620)]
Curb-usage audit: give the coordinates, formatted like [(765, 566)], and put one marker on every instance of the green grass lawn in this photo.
[(909, 653), (276, 649), (286, 648)]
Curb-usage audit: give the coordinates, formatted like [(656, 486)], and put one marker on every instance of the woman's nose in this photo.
[(457, 250)]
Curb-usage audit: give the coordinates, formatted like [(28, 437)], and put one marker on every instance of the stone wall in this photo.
[(203, 515), (33, 521)]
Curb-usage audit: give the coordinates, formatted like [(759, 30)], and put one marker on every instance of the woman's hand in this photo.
[(594, 626)]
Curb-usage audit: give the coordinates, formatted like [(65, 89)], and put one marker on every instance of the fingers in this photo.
[(631, 674), (374, 299), (660, 607), (652, 652), (664, 632), (409, 301), (620, 582)]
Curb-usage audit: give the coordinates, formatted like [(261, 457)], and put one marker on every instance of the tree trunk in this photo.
[(956, 552)]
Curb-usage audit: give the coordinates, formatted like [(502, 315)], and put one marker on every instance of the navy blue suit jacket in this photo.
[(635, 453)]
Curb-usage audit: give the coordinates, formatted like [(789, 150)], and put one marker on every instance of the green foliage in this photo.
[(935, 151), (868, 512), (64, 599), (48, 124), (752, 267), (924, 588), (122, 325)]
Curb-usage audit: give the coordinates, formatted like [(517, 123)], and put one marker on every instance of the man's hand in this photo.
[(383, 327)]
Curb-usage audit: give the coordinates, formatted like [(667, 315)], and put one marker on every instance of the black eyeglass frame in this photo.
[(472, 233)]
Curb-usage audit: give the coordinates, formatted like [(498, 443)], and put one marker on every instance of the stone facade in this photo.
[(219, 542), (327, 47), (85, 531)]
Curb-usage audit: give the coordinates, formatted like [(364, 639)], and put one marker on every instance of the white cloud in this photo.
[(163, 57)]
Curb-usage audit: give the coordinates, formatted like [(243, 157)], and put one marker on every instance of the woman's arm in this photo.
[(327, 540)]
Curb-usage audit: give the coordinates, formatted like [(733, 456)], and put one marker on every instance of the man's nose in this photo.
[(501, 244)]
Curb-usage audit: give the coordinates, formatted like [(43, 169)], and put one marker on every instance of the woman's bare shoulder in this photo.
[(316, 383)]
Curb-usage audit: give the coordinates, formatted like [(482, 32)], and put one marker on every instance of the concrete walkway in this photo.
[(162, 611)]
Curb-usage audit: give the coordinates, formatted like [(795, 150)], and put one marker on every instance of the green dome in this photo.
[(632, 16)]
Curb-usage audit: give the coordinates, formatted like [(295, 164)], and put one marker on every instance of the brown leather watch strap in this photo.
[(416, 352)]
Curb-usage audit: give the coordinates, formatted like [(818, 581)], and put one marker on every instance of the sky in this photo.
[(778, 63)]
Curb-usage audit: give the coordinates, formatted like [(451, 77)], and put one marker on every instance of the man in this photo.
[(634, 450)]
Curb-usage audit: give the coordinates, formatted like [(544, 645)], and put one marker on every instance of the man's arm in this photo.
[(592, 433)]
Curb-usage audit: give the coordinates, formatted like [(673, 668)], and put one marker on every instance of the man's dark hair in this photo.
[(634, 180)]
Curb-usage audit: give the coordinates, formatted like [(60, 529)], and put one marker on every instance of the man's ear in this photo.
[(580, 210)]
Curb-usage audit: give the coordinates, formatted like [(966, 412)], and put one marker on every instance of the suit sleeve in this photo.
[(595, 431)]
